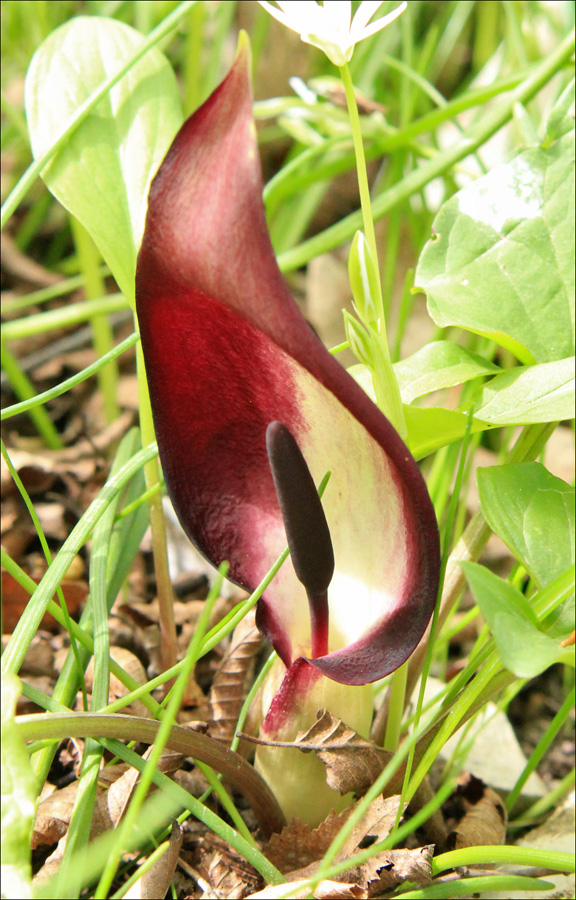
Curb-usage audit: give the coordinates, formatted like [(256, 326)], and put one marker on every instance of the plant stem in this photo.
[(152, 477), (363, 187), (63, 317), (383, 369), (469, 547), (396, 708)]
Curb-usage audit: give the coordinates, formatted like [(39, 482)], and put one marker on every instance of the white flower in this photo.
[(329, 27)]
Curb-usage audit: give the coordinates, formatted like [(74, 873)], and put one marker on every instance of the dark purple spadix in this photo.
[(304, 519), (306, 528)]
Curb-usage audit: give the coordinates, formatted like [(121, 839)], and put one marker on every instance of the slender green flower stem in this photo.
[(35, 298), (289, 180), (193, 84), (469, 547), (65, 317), (381, 352), (447, 537), (415, 181), (363, 186), (396, 708)]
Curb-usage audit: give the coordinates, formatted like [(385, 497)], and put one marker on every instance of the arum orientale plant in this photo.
[(251, 412)]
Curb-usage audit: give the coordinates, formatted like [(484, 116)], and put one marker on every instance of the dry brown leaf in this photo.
[(53, 816), (352, 763), (298, 849), (229, 876), (305, 846), (377, 823), (231, 682), (156, 881), (15, 599), (485, 817), (299, 890), (118, 794), (77, 460), (381, 872), (55, 809), (298, 845), (393, 867)]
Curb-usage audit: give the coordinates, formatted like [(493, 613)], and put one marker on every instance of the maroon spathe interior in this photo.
[(216, 322)]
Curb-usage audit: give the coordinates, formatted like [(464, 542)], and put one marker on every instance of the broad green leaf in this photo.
[(18, 799), (501, 260), (523, 648), (541, 393), (438, 365), (103, 173), (533, 512)]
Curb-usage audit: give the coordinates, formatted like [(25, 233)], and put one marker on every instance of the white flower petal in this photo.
[(364, 13), (376, 26), (328, 27), (278, 14), (339, 14)]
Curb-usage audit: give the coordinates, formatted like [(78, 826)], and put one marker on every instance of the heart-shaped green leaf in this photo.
[(533, 512), (501, 260)]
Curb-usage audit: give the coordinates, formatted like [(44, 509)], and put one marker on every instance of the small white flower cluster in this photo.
[(331, 26)]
